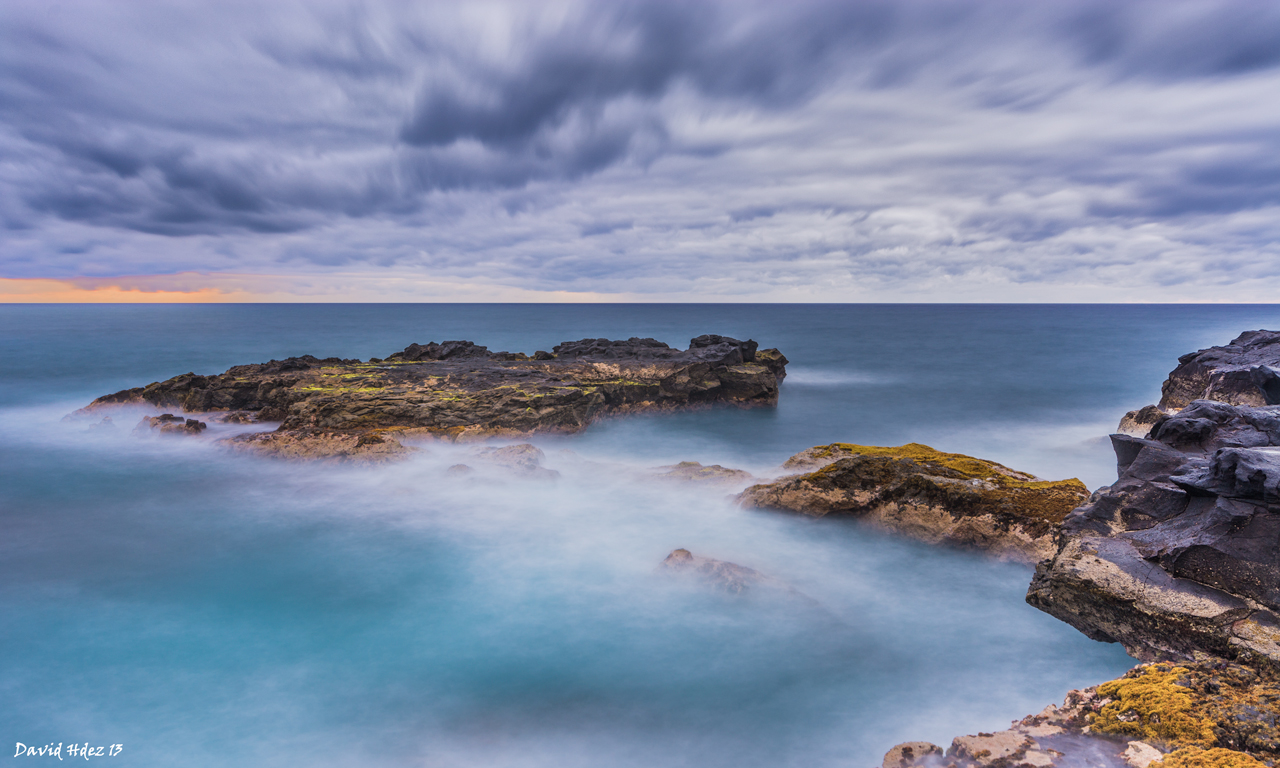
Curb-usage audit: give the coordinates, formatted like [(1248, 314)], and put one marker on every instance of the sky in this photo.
[(640, 151)]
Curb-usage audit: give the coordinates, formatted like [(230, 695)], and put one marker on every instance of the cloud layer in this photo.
[(811, 151)]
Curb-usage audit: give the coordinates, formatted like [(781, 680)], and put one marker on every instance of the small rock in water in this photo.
[(168, 424), (730, 577), (695, 472)]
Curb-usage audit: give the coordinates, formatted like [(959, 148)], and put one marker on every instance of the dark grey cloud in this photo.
[(642, 145)]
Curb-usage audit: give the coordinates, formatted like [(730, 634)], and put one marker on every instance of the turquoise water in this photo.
[(207, 609)]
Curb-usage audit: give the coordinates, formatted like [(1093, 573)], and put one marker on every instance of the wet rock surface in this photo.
[(1182, 554), (942, 498), (458, 390)]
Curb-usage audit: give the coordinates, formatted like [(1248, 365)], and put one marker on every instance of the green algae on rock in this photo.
[(459, 390), (941, 498)]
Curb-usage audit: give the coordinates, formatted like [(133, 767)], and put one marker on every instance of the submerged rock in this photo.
[(168, 424), (1181, 556), (458, 390), (942, 498), (695, 472), (522, 459), (727, 576)]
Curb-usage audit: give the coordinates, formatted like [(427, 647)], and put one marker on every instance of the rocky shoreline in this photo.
[(1178, 560)]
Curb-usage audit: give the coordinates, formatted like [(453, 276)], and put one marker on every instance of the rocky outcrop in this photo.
[(1182, 554), (1204, 714), (458, 390), (1244, 372), (942, 498)]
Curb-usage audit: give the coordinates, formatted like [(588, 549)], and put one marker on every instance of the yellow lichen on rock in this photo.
[(1154, 707), (1196, 757)]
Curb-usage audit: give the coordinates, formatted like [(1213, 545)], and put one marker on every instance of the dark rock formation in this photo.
[(943, 498), (1182, 554), (1242, 373), (459, 390)]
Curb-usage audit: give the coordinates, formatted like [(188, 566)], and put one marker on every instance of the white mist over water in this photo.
[(208, 608)]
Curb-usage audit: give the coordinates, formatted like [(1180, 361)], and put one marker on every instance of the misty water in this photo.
[(203, 608)]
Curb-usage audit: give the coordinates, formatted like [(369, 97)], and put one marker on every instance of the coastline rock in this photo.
[(1181, 556), (695, 472), (1207, 714), (941, 498), (458, 390), (1244, 372)]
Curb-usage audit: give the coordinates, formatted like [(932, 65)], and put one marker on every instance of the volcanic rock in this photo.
[(941, 498), (1243, 372), (458, 390), (1181, 556)]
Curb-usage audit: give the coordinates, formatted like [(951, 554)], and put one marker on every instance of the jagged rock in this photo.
[(944, 498), (695, 472), (458, 390), (1182, 554), (1139, 423), (168, 424), (1241, 373)]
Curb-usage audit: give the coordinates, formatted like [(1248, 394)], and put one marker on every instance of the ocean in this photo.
[(199, 608)]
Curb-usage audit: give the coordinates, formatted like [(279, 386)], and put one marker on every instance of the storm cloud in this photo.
[(803, 151)]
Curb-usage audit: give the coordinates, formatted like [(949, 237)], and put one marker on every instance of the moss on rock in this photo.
[(1197, 757), (1154, 705)]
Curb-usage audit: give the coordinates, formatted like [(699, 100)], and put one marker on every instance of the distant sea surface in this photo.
[(201, 608)]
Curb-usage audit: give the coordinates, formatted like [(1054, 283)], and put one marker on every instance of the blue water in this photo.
[(208, 609)]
